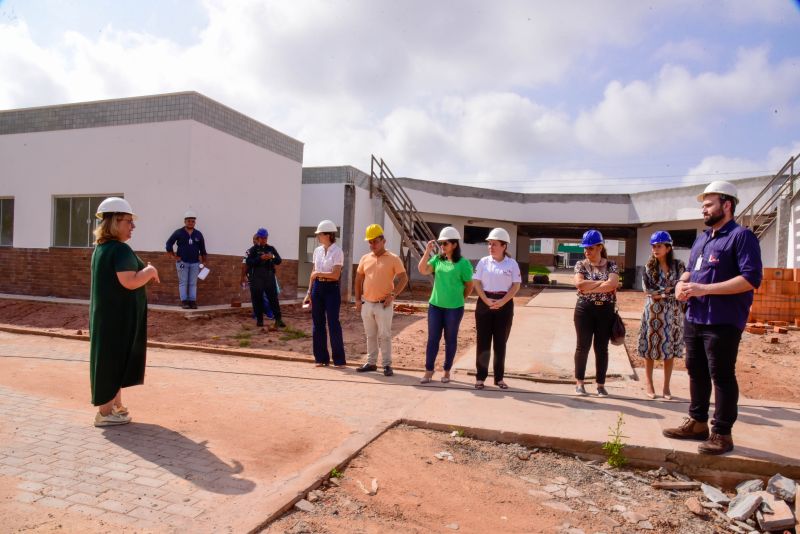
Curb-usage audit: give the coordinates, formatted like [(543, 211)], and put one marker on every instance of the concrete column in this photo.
[(782, 232), (348, 218)]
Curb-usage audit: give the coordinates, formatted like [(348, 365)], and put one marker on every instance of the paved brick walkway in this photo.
[(141, 475)]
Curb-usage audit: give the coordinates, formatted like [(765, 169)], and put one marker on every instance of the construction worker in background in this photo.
[(191, 253), (261, 260), (724, 268), (379, 278)]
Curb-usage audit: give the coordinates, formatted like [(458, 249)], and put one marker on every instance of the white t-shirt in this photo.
[(324, 262), (497, 276)]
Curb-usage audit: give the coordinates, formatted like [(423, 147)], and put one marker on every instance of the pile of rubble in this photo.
[(752, 509)]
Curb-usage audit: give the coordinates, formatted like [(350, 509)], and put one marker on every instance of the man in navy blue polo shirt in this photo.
[(723, 270), (191, 252)]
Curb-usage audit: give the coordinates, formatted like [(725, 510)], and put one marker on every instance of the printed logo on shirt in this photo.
[(713, 259)]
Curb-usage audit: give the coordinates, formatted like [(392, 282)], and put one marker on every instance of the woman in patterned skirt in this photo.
[(661, 333)]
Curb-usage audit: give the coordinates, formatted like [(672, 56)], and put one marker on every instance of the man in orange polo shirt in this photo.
[(380, 276)]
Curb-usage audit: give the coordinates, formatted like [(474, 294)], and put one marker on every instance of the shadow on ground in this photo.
[(187, 459)]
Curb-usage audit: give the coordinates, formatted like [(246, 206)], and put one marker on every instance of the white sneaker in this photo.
[(111, 419), (120, 410)]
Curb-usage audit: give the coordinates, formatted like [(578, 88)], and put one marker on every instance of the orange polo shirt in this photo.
[(379, 273)]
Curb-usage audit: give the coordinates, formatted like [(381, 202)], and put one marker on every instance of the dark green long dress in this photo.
[(117, 323)]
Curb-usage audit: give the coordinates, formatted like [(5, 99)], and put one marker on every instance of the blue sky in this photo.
[(518, 95)]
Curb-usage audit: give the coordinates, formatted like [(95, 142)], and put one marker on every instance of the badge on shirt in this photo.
[(698, 263)]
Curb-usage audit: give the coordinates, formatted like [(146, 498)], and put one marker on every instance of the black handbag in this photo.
[(617, 329)]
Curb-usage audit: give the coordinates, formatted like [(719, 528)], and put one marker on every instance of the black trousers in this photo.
[(593, 328), (261, 283), (711, 352), (493, 327)]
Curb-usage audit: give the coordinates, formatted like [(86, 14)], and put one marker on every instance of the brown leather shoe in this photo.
[(716, 444), (689, 429)]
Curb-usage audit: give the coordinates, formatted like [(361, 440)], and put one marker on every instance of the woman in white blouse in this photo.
[(497, 280), (325, 298)]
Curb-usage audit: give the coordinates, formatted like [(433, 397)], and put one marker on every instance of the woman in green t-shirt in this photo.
[(452, 284), (117, 312)]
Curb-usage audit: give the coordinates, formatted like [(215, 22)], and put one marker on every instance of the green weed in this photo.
[(614, 446), (335, 473), (290, 333)]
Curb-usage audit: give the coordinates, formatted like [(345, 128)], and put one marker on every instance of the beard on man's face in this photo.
[(713, 218)]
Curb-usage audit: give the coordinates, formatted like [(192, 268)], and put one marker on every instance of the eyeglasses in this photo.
[(443, 243)]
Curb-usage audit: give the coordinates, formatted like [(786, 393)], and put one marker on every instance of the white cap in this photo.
[(448, 232), (327, 227), (720, 187), (499, 234), (190, 214), (114, 205)]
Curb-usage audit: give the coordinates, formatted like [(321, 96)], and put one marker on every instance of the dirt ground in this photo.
[(486, 487), (237, 329), (764, 370)]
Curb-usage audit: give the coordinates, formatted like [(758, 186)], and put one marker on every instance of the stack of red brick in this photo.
[(778, 298)]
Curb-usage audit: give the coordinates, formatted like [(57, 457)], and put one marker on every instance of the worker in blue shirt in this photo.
[(191, 253), (261, 261), (723, 270)]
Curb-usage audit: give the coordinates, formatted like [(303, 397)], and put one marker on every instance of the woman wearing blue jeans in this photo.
[(324, 296), (452, 284)]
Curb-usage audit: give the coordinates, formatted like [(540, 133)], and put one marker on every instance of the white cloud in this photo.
[(719, 167), (686, 50), (677, 107)]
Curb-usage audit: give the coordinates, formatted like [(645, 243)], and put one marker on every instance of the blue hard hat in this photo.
[(591, 238), (262, 232), (660, 237)]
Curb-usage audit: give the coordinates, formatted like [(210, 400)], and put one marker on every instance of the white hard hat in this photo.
[(327, 227), (721, 188), (499, 234), (114, 205), (190, 214), (448, 232)]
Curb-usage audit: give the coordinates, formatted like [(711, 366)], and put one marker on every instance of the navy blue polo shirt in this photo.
[(732, 251), (190, 246)]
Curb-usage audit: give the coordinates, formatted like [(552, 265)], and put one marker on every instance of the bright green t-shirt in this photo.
[(448, 282)]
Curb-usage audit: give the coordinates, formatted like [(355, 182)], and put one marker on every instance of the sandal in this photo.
[(479, 385), (426, 379), (445, 379), (667, 396), (501, 385)]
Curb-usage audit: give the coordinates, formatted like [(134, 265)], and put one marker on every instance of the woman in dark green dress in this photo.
[(117, 312)]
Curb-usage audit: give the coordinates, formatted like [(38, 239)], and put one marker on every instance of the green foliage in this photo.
[(614, 446), (335, 473), (538, 269), (290, 333), (244, 342)]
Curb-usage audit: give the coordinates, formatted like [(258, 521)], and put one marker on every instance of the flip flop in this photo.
[(650, 396), (445, 379), (502, 385), (667, 396), (479, 385), (425, 380)]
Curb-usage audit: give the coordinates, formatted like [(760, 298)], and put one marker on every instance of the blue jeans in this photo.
[(440, 320), (187, 280), (325, 303)]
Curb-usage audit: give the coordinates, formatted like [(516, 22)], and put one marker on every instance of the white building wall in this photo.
[(769, 249), (321, 201), (479, 208), (681, 204), (161, 169), (236, 188)]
